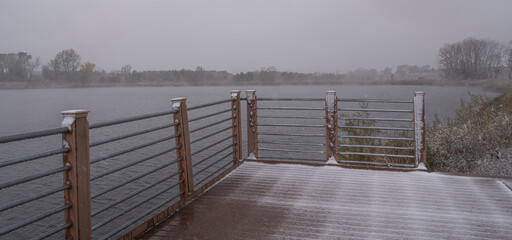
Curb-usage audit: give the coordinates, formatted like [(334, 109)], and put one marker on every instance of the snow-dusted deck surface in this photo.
[(284, 201)]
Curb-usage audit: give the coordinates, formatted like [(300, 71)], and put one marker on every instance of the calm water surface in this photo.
[(28, 110)]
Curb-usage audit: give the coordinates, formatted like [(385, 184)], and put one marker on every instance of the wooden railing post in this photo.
[(183, 140), (252, 124), (419, 129), (331, 127), (237, 126), (78, 176)]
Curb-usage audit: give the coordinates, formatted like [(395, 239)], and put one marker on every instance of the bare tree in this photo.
[(33, 66), (17, 66), (126, 72), (65, 64), (472, 59)]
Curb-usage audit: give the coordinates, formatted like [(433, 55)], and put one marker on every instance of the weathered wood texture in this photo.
[(252, 123), (237, 126), (78, 176), (184, 152)]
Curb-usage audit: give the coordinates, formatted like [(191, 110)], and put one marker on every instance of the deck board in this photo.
[(286, 201)]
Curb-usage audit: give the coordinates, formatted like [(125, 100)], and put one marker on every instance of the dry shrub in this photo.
[(358, 132), (399, 143), (478, 140), (373, 142)]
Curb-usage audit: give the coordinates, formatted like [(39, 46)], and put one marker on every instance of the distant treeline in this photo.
[(470, 59)]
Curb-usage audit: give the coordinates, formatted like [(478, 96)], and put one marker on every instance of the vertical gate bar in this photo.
[(252, 124), (184, 152), (331, 127), (78, 176), (237, 123), (419, 128)]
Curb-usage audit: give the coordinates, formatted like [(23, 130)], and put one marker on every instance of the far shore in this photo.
[(498, 85)]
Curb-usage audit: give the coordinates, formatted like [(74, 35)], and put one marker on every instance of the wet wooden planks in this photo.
[(286, 201)]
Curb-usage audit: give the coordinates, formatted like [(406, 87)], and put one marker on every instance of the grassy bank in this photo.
[(477, 140)]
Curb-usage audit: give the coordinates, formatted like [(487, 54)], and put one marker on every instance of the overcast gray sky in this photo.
[(234, 35)]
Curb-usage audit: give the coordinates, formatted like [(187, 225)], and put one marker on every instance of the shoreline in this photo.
[(498, 85)]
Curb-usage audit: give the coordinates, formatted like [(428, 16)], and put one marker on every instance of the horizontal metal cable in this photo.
[(134, 178), (33, 157), (100, 142), (376, 154), (210, 104), (377, 119), (214, 144), (134, 163), (211, 124), (375, 100), (130, 119), (375, 110), (213, 173), (209, 115), (33, 197), (34, 219), (288, 150), (133, 206), (213, 163), (380, 147), (134, 220), (291, 125), (378, 128), (297, 117), (292, 99), (30, 135), (33, 177), (378, 163), (52, 231), (291, 108), (291, 143), (291, 134), (213, 154), (211, 134), (382, 138), (94, 213), (133, 149), (293, 159)]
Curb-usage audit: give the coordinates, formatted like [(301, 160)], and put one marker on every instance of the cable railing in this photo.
[(381, 135), (276, 123), (144, 168), (126, 172), (215, 143), (18, 183), (390, 133)]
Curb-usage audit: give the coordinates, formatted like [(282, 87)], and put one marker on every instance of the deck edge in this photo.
[(169, 212)]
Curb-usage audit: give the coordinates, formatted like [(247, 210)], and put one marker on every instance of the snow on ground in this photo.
[(331, 202), (290, 201)]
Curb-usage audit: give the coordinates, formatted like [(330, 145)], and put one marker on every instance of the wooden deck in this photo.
[(289, 201)]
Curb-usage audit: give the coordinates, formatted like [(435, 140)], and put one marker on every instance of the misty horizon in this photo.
[(308, 37)]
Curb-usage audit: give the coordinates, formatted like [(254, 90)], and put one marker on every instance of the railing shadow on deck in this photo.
[(134, 188)]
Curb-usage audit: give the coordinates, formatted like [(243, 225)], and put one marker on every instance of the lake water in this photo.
[(37, 109), (34, 109)]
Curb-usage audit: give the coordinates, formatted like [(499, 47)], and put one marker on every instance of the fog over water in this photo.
[(302, 36)]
